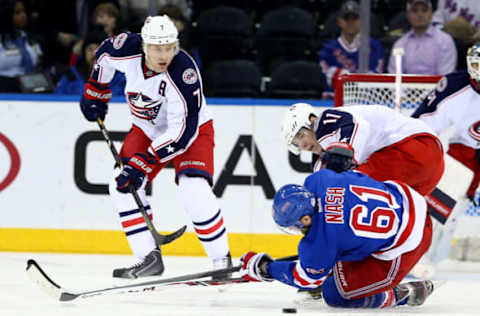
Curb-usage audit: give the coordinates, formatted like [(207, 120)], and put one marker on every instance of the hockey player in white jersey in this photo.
[(453, 107), (455, 102), (170, 122), (386, 145)]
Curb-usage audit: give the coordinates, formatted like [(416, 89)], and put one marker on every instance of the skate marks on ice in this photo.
[(22, 297)]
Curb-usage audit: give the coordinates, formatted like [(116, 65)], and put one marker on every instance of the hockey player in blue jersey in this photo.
[(170, 123), (361, 239)]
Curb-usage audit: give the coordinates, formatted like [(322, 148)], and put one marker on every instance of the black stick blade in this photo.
[(65, 297), (166, 239)]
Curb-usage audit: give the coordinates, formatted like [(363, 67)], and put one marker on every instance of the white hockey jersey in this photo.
[(448, 10), (169, 107), (367, 128), (454, 102)]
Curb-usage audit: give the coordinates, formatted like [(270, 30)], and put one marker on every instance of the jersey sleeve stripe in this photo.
[(410, 233), (185, 107), (301, 278)]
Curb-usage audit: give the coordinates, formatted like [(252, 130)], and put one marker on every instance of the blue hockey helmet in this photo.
[(290, 204)]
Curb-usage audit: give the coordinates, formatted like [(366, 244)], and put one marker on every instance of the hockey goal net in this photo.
[(380, 89)]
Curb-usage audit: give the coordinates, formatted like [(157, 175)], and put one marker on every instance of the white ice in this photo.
[(19, 296)]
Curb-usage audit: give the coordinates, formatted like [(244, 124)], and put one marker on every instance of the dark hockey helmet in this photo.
[(290, 204), (473, 61)]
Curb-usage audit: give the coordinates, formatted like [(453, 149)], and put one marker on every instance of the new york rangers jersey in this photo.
[(169, 107), (338, 55), (454, 102), (367, 128), (448, 10), (357, 217)]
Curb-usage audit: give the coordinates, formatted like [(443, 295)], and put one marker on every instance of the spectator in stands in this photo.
[(108, 15), (19, 53), (135, 11), (181, 22), (460, 19), (61, 24), (428, 50), (340, 55), (73, 81), (105, 16)]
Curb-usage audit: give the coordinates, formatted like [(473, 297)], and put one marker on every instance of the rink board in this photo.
[(55, 166)]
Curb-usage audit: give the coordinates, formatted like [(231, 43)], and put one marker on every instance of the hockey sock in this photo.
[(202, 207), (139, 237), (332, 297)]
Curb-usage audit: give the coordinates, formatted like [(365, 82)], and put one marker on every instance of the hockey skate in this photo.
[(222, 263), (413, 293), (151, 265)]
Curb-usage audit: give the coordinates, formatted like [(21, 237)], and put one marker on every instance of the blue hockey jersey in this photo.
[(338, 57), (357, 217)]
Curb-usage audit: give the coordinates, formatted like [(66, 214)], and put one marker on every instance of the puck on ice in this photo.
[(289, 310)]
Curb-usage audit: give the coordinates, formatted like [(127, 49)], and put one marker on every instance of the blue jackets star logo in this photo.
[(143, 106)]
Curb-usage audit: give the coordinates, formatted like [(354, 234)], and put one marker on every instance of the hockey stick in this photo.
[(159, 239), (38, 276)]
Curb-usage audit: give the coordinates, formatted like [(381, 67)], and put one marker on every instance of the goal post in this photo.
[(380, 89)]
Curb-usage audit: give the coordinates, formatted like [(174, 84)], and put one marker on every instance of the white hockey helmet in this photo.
[(473, 61), (297, 116), (159, 30)]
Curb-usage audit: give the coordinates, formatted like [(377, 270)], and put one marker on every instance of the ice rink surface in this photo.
[(19, 296)]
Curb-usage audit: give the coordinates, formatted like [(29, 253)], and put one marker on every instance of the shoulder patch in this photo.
[(474, 131), (189, 76), (119, 40), (442, 84)]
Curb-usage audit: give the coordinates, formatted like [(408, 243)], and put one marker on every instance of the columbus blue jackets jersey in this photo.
[(454, 102), (169, 107), (357, 217), (366, 128)]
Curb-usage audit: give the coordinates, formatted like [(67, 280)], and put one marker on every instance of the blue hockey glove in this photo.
[(338, 157), (134, 172), (94, 101), (255, 266)]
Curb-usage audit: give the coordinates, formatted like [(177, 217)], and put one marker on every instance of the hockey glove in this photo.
[(134, 172), (311, 294), (94, 102), (255, 266), (338, 157)]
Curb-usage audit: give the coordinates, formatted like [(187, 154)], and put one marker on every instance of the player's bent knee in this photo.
[(331, 295)]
